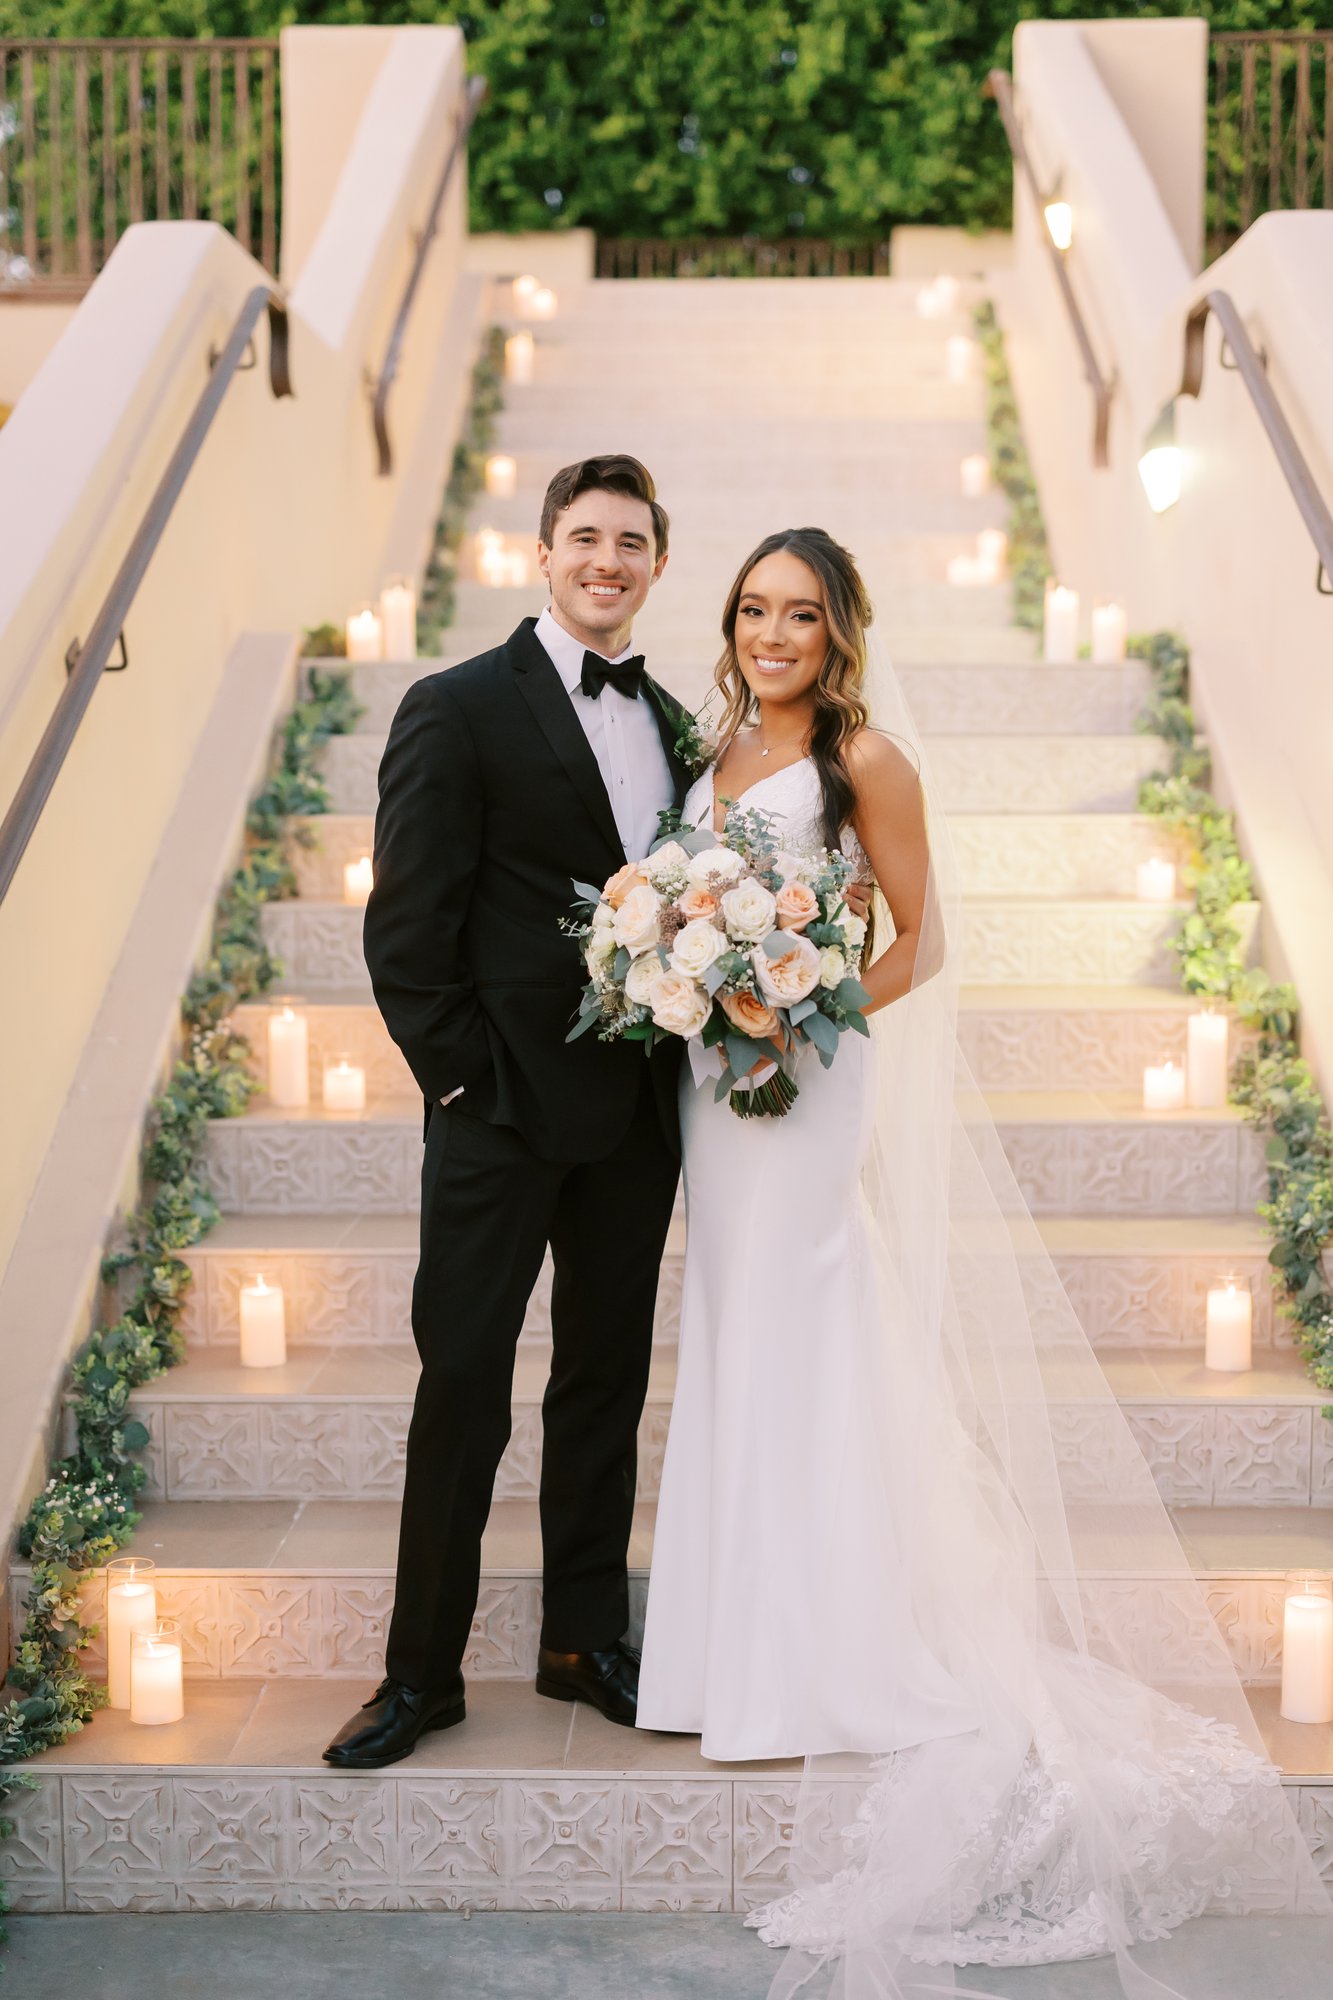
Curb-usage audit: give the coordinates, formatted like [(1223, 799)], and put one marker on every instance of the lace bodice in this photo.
[(792, 795)]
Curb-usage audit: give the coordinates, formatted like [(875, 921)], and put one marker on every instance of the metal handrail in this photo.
[(999, 86), (1249, 363), (384, 381), (85, 664)]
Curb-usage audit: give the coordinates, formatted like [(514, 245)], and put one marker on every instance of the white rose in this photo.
[(793, 867), (749, 911), (679, 1006), (598, 952), (639, 979), (854, 930), (637, 919), (783, 981), (603, 917), (697, 947), (832, 966), (715, 864), (666, 864)]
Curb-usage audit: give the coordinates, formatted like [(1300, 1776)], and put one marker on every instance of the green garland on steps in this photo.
[(467, 478), (1271, 1083), (1029, 557), (86, 1510)]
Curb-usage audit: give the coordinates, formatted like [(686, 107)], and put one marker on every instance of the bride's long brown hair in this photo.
[(840, 705)]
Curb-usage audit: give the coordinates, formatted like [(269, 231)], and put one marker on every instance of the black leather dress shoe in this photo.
[(392, 1723), (609, 1681)]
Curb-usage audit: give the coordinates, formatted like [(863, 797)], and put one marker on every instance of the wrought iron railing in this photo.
[(96, 135), (1270, 129), (739, 257)]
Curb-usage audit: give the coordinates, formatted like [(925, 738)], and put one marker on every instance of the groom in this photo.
[(505, 779)]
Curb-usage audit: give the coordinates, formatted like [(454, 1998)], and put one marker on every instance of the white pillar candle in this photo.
[(1108, 633), (1206, 1059), (358, 880), (974, 475), (516, 568), (947, 289), (288, 1060), (959, 354), (1307, 1650), (964, 571), (525, 287), (1155, 880), (520, 352), (501, 475), (1164, 1087), (363, 635), (398, 613), (1228, 1327), (491, 565), (992, 553), (157, 1674), (930, 300), (131, 1606), (344, 1086), (544, 303), (263, 1325), (1060, 623)]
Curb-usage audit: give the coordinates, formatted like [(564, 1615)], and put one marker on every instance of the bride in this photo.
[(1025, 1741)]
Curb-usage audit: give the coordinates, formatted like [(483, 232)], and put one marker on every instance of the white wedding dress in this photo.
[(870, 1554)]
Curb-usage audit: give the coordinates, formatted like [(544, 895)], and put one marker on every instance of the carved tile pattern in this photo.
[(270, 1626), (34, 1863), (1321, 1460), (342, 1832), (119, 1844), (196, 1601), (229, 1830), (354, 1619), (1130, 1169), (1263, 1456), (503, 1640), (262, 1166), (1054, 854), (1180, 1446), (566, 1846), (456, 1834), (520, 1468), (677, 1847), (318, 945), (331, 1297), (1147, 1301), (1315, 1813), (211, 1448), (335, 839), (351, 770)]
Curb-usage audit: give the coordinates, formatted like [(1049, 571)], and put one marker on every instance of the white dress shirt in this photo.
[(623, 734)]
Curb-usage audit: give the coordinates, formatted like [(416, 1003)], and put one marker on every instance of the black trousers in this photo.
[(489, 1208)]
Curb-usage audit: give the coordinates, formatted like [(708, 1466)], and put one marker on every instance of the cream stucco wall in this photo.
[(1232, 565), (29, 329)]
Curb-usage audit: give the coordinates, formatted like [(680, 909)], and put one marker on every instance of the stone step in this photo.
[(285, 1588), (565, 400), (1071, 1152), (1015, 700), (1014, 1038), (1135, 1281), (332, 1424), (1007, 940), (704, 555), (528, 1805), (1039, 855), (974, 774), (905, 498)]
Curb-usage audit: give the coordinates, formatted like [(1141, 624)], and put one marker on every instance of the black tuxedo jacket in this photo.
[(491, 805)]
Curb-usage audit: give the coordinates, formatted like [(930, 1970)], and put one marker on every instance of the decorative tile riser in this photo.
[(1044, 943), (1007, 1048), (974, 775), (346, 1298), (283, 1625), (1048, 855), (216, 1839), (1221, 1454), (259, 1167)]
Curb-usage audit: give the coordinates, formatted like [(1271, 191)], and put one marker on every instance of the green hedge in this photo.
[(832, 118)]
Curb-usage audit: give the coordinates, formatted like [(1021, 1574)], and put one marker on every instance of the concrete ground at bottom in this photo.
[(420, 1956)]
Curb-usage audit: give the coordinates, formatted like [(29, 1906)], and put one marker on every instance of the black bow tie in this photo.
[(625, 676)]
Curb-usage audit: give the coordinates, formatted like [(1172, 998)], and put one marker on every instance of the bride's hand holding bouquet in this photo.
[(728, 939)]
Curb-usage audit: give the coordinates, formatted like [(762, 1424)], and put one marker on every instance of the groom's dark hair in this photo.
[(614, 472)]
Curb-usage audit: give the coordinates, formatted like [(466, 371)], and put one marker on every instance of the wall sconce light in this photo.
[(1160, 462), (1059, 223)]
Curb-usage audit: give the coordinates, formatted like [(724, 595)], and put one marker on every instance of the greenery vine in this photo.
[(86, 1510), (467, 477), (1029, 557)]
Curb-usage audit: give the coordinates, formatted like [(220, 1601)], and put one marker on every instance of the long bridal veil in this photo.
[(1101, 1778)]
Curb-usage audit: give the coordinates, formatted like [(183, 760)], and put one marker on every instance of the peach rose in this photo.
[(696, 904), (798, 905), (790, 978), (750, 1014), (631, 876)]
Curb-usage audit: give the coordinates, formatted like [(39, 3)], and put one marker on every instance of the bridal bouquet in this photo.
[(730, 939)]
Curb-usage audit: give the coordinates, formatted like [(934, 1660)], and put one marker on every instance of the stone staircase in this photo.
[(272, 1508)]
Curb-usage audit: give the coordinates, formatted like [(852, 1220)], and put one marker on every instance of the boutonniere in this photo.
[(692, 746)]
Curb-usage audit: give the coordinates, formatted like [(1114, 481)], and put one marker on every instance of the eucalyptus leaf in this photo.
[(584, 1022), (801, 1011), (851, 994), (821, 1031), (777, 944), (586, 893)]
